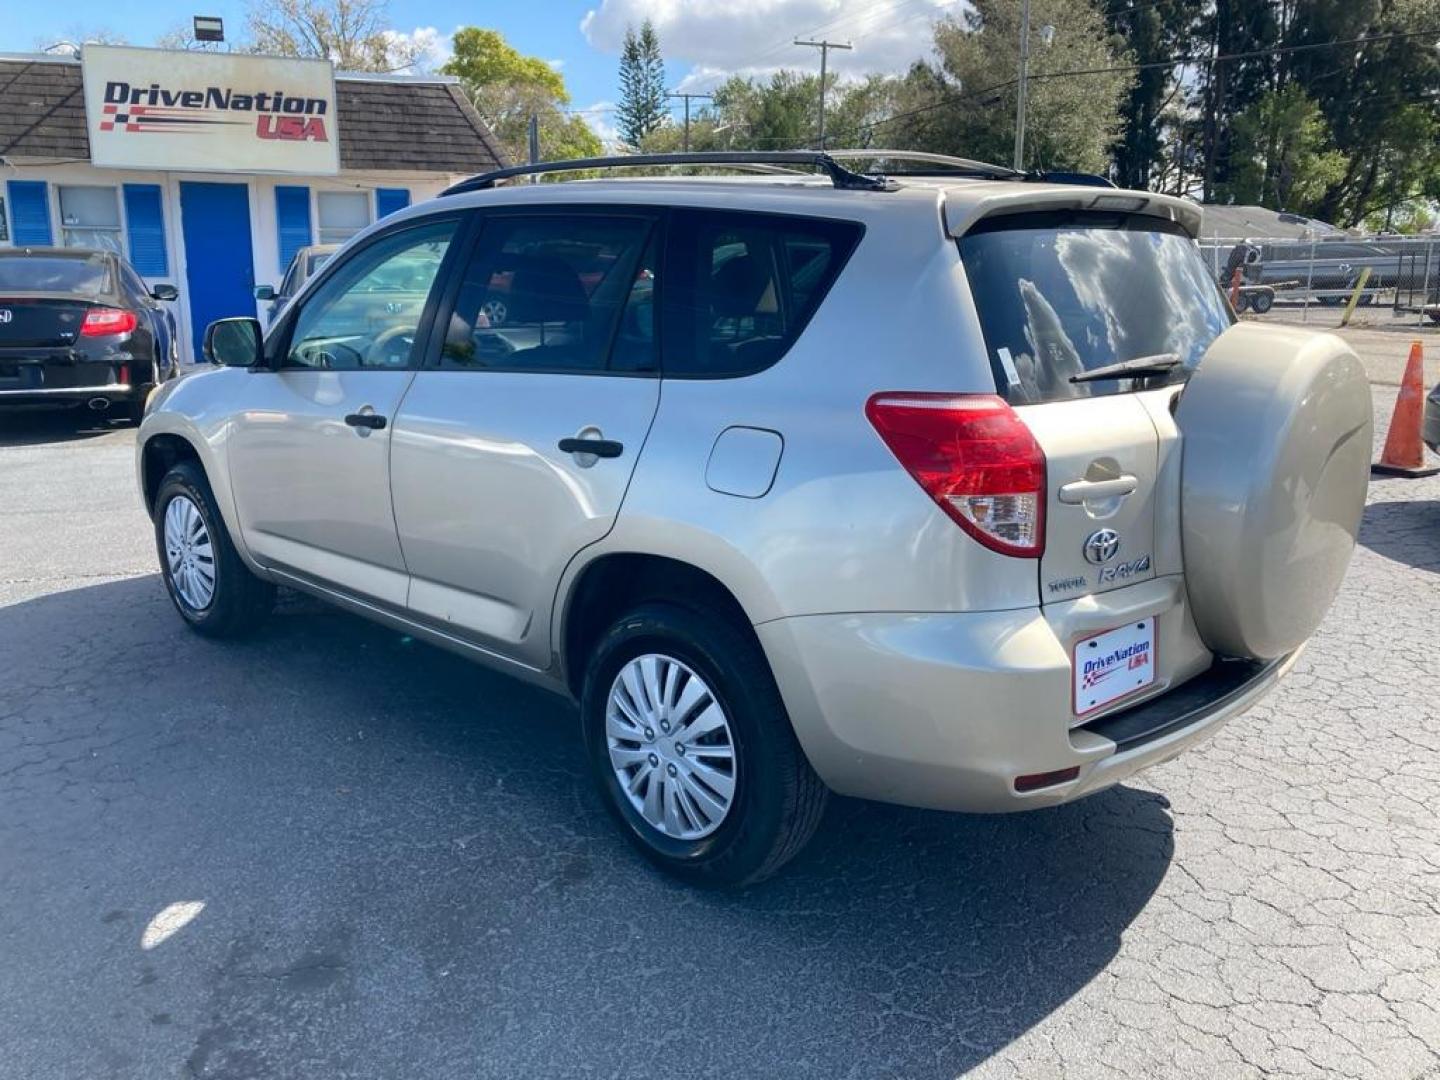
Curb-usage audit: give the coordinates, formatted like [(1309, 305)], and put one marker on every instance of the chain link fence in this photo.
[(1398, 272)]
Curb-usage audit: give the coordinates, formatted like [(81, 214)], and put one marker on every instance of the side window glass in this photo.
[(635, 348), (367, 314), (743, 286), (288, 286), (544, 294)]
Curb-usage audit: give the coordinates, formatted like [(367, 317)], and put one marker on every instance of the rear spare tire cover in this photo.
[(1276, 434)]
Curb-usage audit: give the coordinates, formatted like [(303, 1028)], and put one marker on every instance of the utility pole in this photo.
[(1019, 163), (687, 97), (825, 47)]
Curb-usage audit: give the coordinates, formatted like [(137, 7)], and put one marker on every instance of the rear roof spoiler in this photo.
[(961, 213)]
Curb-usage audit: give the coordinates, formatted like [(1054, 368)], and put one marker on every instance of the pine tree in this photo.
[(642, 85)]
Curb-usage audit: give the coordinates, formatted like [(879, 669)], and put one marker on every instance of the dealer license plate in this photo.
[(1110, 665)]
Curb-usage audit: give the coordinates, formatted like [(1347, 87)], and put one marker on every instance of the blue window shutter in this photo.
[(390, 199), (29, 213), (292, 217), (145, 220)]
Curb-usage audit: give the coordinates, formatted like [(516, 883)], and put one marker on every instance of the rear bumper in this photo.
[(63, 378), (68, 396), (946, 710)]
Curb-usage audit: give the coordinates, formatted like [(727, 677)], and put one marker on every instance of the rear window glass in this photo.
[(54, 273), (1062, 293), (741, 287)]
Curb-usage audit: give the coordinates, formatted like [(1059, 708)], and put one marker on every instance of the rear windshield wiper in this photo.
[(1158, 364)]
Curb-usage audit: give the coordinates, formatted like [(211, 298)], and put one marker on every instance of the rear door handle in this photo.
[(365, 420), (1083, 491), (598, 447)]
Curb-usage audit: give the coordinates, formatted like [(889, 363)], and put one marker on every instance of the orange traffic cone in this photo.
[(1404, 453)]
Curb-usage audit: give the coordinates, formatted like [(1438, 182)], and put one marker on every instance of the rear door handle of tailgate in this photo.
[(1083, 491)]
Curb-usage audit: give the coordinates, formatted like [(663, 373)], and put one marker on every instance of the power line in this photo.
[(1176, 61)]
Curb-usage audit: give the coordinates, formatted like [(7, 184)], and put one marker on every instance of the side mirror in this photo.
[(165, 292), (235, 343), (264, 292)]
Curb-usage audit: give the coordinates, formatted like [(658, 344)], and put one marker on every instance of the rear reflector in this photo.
[(1036, 781), (100, 321), (975, 457)]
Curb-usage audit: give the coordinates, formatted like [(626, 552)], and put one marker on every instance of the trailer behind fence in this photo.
[(1325, 270)]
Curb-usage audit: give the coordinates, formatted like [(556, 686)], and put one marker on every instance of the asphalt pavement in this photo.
[(334, 852)]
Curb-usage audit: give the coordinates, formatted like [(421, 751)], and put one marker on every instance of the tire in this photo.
[(776, 800), (1242, 302), (237, 600), (1261, 302)]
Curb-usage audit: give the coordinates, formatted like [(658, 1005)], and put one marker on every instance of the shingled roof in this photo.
[(403, 124)]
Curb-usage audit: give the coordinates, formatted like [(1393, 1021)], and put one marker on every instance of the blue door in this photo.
[(219, 262)]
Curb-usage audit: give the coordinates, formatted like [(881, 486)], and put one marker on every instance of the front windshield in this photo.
[(1059, 293)]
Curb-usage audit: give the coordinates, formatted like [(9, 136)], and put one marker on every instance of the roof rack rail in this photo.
[(967, 166), (766, 160)]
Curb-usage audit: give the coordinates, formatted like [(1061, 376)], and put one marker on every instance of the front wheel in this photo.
[(692, 749), (210, 586)]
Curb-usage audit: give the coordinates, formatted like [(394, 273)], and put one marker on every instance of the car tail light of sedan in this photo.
[(103, 321)]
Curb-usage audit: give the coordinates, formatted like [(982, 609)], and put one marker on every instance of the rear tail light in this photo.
[(976, 458), (100, 321)]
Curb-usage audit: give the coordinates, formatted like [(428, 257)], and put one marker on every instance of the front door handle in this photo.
[(597, 447), (365, 420), (1083, 491)]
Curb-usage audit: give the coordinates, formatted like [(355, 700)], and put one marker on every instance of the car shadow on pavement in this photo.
[(402, 869), (54, 426), (1407, 531)]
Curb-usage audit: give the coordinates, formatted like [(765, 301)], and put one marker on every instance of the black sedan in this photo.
[(80, 329)]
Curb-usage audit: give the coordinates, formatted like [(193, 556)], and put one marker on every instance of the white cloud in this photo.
[(601, 120), (704, 41), (431, 47)]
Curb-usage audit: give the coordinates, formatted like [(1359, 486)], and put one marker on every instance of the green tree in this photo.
[(1152, 112), (1381, 100), (1247, 32), (642, 85), (965, 103), (508, 87), (1281, 154)]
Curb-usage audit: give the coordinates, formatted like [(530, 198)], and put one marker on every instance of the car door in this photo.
[(514, 447), (309, 446)]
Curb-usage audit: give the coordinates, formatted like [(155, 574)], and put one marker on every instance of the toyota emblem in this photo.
[(1101, 546), (6, 314)]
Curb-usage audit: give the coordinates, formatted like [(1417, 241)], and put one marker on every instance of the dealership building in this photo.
[(208, 170)]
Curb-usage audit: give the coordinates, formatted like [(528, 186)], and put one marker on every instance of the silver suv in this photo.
[(958, 490)]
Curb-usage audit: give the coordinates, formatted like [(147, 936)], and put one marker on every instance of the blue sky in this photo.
[(703, 40)]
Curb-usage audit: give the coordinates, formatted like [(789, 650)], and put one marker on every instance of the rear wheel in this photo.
[(211, 587), (692, 749), (1262, 302)]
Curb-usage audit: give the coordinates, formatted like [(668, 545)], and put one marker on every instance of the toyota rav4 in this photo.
[(949, 487)]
